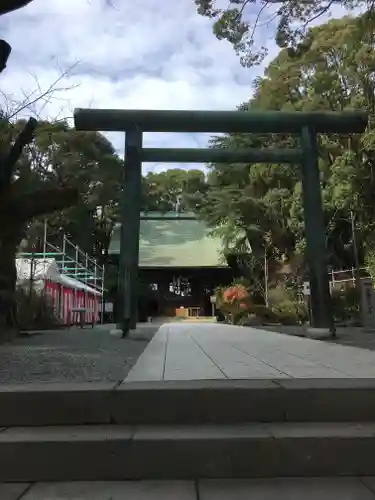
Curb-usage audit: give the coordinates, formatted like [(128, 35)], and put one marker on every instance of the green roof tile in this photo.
[(174, 243)]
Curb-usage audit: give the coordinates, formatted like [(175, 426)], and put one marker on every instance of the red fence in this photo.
[(65, 298)]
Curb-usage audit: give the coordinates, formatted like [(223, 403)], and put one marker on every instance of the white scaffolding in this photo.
[(72, 262)]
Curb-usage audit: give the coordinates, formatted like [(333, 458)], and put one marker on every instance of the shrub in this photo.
[(287, 305), (233, 302), (34, 310), (280, 293), (291, 312), (264, 313), (345, 304)]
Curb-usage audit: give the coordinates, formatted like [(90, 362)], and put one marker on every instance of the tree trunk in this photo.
[(10, 235), (15, 209)]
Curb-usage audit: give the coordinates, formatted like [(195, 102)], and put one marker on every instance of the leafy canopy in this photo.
[(259, 206), (244, 22)]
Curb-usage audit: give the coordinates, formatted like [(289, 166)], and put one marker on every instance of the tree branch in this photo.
[(11, 5), (26, 206), (5, 50), (7, 166)]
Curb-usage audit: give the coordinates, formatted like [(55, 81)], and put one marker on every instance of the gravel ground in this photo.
[(77, 355), (350, 336)]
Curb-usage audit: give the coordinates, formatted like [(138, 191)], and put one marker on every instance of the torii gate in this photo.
[(306, 125)]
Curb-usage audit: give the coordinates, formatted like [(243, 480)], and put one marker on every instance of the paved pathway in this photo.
[(181, 351), (212, 351), (262, 489)]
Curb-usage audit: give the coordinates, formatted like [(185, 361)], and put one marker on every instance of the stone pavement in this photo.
[(198, 351), (260, 489)]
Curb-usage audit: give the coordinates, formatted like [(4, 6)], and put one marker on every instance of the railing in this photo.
[(345, 275)]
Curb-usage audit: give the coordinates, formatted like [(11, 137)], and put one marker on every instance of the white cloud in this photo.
[(146, 54)]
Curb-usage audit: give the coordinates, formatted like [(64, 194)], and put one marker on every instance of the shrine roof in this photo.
[(174, 241)]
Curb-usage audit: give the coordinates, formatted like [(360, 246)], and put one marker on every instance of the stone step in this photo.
[(115, 452), (189, 402), (56, 404), (316, 488), (256, 400)]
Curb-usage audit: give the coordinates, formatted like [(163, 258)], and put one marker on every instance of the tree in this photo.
[(243, 210), (162, 190), (260, 206), (18, 201), (243, 23), (60, 168), (21, 199), (88, 161), (335, 73)]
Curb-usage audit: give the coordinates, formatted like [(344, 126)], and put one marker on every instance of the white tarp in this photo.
[(73, 283), (38, 270)]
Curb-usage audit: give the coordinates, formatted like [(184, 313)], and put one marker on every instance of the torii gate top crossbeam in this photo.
[(114, 120)]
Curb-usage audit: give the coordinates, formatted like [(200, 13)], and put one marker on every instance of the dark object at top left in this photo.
[(5, 7)]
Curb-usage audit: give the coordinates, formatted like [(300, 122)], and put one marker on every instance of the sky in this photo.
[(132, 54)]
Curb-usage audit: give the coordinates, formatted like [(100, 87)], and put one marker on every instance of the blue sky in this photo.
[(138, 54)]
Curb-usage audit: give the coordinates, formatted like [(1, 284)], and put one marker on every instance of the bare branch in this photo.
[(47, 93), (319, 13)]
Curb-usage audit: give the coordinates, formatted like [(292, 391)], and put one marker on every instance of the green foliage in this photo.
[(263, 313), (257, 209), (287, 305), (86, 160), (345, 305), (161, 190), (370, 263), (243, 22), (59, 168)]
